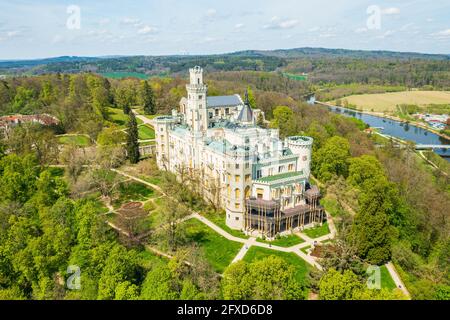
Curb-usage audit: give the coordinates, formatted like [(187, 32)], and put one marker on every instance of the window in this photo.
[(237, 178), (227, 111), (258, 174), (247, 165), (237, 218), (271, 172), (200, 97), (259, 193), (237, 165), (237, 193), (280, 169), (248, 178), (237, 205), (217, 112), (247, 192), (291, 167)]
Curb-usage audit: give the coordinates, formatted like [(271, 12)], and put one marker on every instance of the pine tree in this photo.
[(251, 98), (132, 139), (147, 98)]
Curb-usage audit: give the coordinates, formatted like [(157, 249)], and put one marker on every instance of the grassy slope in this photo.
[(218, 250)]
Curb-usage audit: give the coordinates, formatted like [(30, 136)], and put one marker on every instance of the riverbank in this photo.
[(390, 117)]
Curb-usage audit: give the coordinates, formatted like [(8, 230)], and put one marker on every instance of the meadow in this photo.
[(387, 102)]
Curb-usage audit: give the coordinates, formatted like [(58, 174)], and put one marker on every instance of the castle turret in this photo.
[(196, 112), (301, 146)]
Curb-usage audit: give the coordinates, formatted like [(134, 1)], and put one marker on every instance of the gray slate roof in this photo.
[(223, 101), (246, 114)]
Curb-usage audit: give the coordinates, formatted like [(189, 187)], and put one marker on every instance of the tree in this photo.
[(362, 169), (160, 284), (335, 285), (332, 159), (132, 139), (266, 279), (147, 98), (371, 228), (251, 98), (283, 118), (119, 275)]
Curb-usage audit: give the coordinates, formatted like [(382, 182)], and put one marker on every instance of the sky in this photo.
[(50, 28)]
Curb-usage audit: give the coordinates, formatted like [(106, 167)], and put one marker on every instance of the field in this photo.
[(77, 140), (122, 75), (387, 102), (285, 241), (118, 117), (146, 133), (317, 232), (218, 250), (386, 280)]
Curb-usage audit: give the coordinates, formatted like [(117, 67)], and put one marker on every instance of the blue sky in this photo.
[(36, 29)]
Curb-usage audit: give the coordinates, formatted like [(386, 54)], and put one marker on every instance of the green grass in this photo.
[(317, 232), (219, 219), (78, 140), (218, 250), (305, 249), (286, 241), (297, 77), (146, 133), (132, 191), (122, 75), (386, 279), (119, 118), (301, 267)]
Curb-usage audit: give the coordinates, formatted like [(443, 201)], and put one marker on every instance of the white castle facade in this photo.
[(259, 179)]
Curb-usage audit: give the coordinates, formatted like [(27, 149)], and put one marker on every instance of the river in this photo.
[(398, 129)]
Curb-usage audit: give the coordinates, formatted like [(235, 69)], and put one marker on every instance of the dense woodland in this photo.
[(387, 203)]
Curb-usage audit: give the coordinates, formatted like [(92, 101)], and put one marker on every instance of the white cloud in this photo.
[(104, 21), (277, 23), (132, 21), (385, 35), (239, 26), (313, 29), (442, 34), (12, 34), (57, 39), (361, 30), (390, 11), (211, 13), (147, 30)]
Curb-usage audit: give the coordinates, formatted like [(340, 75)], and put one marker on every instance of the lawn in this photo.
[(218, 250), (386, 279), (317, 232), (285, 241), (387, 102), (219, 219), (146, 133), (301, 267), (77, 140), (122, 75), (118, 117), (132, 191)]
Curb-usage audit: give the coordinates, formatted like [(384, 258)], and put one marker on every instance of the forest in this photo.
[(388, 205)]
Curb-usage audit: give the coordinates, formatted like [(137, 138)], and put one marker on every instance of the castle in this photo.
[(260, 180)]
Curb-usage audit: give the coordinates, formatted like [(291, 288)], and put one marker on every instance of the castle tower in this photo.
[(196, 112)]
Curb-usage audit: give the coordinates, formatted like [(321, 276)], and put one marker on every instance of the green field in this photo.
[(386, 279), (317, 231), (301, 267), (387, 102), (118, 117), (286, 241), (218, 250), (122, 75), (78, 140), (146, 133), (298, 77)]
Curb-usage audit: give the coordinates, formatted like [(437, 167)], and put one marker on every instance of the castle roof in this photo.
[(223, 101), (246, 114)]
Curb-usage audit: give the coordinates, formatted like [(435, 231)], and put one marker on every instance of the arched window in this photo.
[(237, 194), (247, 192)]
